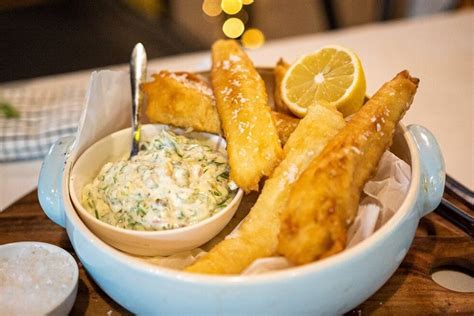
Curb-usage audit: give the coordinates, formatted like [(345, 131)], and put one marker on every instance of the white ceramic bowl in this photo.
[(115, 147), (46, 277), (330, 286)]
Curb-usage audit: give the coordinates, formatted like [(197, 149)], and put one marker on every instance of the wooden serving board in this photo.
[(410, 291)]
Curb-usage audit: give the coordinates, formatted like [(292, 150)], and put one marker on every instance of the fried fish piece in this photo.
[(253, 145), (186, 100), (324, 200), (285, 125), (279, 72), (182, 99), (257, 235)]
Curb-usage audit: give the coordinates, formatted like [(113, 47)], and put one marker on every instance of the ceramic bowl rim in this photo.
[(406, 208)]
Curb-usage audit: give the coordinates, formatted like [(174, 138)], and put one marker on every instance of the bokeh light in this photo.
[(212, 7), (253, 38), (231, 6), (233, 27)]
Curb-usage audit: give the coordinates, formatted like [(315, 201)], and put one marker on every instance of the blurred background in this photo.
[(44, 37)]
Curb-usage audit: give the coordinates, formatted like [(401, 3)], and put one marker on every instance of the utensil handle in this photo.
[(50, 180), (457, 216), (433, 174), (138, 65)]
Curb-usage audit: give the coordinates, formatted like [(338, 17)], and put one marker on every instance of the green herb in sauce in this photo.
[(174, 181)]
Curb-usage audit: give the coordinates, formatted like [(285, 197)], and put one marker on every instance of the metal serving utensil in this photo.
[(138, 64), (459, 217)]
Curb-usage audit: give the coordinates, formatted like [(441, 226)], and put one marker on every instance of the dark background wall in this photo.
[(45, 37)]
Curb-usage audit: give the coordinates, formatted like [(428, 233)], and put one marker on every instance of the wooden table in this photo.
[(409, 291)]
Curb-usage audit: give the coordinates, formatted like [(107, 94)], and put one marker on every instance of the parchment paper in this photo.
[(108, 109)]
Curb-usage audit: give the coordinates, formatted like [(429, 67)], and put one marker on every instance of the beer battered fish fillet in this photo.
[(182, 99), (285, 125), (324, 200), (253, 146), (257, 235), (186, 100)]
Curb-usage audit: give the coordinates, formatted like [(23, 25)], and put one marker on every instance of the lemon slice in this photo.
[(332, 74)]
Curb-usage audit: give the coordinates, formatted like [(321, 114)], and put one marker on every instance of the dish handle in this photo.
[(432, 168), (50, 180)]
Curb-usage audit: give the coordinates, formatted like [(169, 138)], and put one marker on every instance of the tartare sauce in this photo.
[(174, 181)]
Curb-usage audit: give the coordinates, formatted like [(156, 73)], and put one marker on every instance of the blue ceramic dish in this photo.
[(331, 286)]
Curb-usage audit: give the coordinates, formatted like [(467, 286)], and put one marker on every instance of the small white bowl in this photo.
[(40, 278), (144, 243)]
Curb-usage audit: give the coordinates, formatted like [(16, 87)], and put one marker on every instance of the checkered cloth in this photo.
[(45, 116)]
